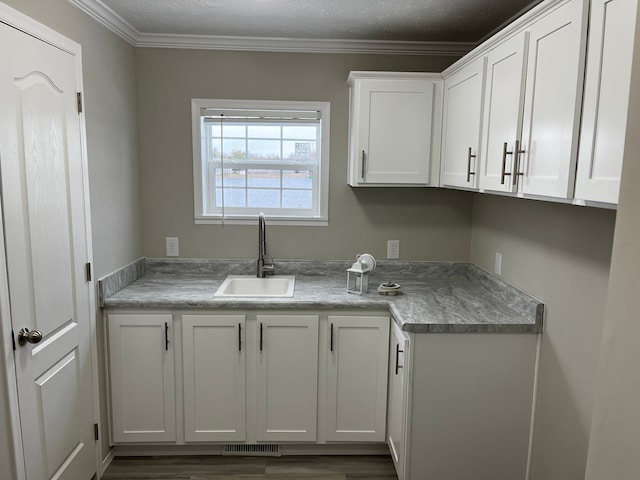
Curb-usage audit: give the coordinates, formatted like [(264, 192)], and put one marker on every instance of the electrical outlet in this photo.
[(497, 268), (173, 247), (393, 249)]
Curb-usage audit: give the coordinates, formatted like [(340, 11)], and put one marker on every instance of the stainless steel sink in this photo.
[(252, 286)]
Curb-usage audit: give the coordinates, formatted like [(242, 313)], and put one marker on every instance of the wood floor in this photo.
[(252, 468)]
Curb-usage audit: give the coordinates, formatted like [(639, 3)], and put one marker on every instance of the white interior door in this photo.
[(44, 221)]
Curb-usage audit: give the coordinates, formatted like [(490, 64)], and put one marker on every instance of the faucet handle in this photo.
[(269, 268)]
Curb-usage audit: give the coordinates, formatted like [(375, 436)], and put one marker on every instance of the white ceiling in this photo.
[(412, 26)]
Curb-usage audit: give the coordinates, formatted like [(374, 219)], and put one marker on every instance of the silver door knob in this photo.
[(25, 336)]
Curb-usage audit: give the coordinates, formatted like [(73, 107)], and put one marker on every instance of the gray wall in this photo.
[(613, 448), (108, 70), (560, 254), (430, 224)]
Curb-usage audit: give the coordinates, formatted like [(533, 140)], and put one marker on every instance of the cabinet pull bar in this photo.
[(469, 172), (398, 352), (239, 337), (504, 163), (331, 337), (261, 337), (516, 168), (363, 163), (166, 336)]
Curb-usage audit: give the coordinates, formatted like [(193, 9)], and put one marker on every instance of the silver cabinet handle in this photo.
[(516, 168), (398, 352), (504, 163), (469, 172), (363, 164), (25, 336)]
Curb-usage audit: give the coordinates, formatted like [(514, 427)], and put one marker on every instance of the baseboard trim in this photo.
[(106, 461), (292, 449)]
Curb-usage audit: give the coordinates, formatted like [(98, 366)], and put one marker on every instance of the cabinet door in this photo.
[(391, 142), (502, 112), (463, 93), (357, 378), (287, 378), (213, 352), (606, 99), (396, 427), (142, 378), (553, 98)]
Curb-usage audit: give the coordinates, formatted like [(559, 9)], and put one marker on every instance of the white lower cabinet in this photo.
[(287, 378), (449, 406), (467, 409), (219, 378), (396, 412), (213, 362), (141, 364), (357, 368)]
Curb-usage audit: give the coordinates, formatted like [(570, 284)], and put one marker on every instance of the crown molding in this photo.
[(114, 22), (108, 18), (302, 45)]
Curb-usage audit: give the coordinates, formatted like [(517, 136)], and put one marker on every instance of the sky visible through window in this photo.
[(263, 165)]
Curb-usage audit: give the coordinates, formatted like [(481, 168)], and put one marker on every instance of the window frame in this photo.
[(199, 163)]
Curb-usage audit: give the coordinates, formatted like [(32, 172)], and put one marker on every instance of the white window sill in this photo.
[(298, 222)]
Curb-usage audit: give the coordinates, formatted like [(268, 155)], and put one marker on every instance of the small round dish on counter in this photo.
[(388, 288)]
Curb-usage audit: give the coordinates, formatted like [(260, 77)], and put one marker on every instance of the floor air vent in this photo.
[(261, 450)]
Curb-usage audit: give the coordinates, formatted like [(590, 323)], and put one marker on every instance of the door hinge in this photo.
[(79, 94), (87, 268), (96, 431)]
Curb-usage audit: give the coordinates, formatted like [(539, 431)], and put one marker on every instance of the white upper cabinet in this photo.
[(503, 103), (532, 106), (392, 133), (462, 119), (606, 99), (553, 98)]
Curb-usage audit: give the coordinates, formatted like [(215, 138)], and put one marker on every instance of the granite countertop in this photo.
[(435, 297)]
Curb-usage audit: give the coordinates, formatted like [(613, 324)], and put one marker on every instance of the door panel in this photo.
[(396, 131), (214, 354), (357, 378), (502, 111), (606, 99), (44, 221), (463, 95), (141, 347), (397, 409), (287, 378), (552, 102)]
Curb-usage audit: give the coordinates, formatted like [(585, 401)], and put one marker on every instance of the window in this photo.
[(258, 156)]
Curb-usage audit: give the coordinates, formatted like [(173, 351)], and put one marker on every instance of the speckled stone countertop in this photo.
[(435, 297)]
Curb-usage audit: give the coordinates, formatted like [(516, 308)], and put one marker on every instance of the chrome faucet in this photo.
[(263, 268)]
